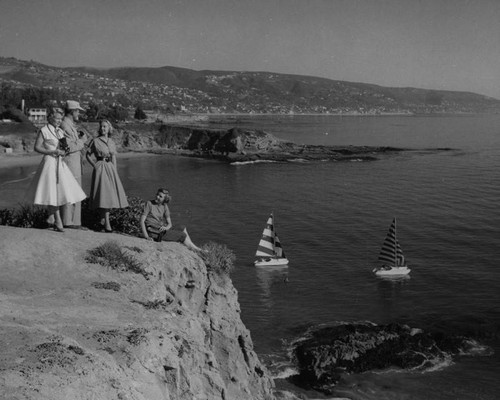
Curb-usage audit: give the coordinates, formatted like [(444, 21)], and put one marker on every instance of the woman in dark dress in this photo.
[(106, 189)]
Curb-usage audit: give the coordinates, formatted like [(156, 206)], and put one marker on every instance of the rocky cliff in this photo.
[(73, 329)]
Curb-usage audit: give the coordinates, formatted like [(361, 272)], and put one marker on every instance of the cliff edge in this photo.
[(73, 329)]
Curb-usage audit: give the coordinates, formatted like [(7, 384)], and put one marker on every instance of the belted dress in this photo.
[(106, 189), (53, 183)]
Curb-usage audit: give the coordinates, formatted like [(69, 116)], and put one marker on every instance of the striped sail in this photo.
[(270, 245), (391, 252)]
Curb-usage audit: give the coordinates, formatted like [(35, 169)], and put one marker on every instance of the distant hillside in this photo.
[(179, 89)]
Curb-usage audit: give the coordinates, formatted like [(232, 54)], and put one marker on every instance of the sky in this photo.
[(430, 44)]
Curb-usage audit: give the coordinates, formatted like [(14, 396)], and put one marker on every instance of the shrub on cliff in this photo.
[(26, 216), (7, 216), (124, 220), (218, 257), (111, 255)]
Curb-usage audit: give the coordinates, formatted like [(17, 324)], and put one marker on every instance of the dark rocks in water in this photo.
[(353, 348), (234, 145)]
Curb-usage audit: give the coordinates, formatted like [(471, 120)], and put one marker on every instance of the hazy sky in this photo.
[(435, 44)]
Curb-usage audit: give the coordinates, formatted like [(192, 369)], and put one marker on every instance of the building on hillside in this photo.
[(37, 115)]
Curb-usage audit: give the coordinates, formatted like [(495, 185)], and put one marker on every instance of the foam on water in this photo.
[(253, 162)]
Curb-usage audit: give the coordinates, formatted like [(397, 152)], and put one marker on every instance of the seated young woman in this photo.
[(156, 224)]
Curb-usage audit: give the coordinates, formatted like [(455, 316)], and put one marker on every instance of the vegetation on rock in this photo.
[(111, 255), (218, 258)]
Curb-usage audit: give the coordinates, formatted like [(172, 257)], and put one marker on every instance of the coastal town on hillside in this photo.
[(221, 94)]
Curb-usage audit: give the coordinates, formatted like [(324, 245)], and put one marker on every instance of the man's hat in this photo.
[(73, 105)]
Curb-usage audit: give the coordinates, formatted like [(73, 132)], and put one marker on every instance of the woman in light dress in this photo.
[(53, 184), (106, 190)]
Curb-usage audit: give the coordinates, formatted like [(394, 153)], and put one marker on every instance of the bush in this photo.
[(90, 217), (218, 257), (30, 216), (110, 255), (124, 220), (7, 216), (27, 216)]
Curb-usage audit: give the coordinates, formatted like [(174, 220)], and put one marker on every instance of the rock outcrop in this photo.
[(234, 144), (328, 352), (228, 145), (73, 329)]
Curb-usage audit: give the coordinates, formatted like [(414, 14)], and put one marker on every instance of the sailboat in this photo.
[(269, 252), (391, 259)]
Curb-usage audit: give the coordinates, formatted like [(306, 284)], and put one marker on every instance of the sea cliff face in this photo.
[(72, 329)]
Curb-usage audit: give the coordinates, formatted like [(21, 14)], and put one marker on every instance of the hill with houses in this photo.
[(179, 90)]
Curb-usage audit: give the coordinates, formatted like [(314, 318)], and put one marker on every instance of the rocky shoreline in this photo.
[(231, 145)]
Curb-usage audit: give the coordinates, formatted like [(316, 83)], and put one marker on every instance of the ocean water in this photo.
[(332, 218)]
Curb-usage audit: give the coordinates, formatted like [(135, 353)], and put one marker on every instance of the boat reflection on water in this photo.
[(271, 279), (391, 291)]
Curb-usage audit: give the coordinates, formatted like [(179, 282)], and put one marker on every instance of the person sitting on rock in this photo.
[(155, 222)]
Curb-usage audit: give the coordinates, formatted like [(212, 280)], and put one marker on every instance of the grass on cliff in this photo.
[(111, 255), (218, 258)]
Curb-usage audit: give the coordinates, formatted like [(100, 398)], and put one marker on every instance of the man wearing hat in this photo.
[(71, 213)]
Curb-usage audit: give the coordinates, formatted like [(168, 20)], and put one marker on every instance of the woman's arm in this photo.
[(168, 226), (40, 148), (142, 223), (88, 156), (112, 150)]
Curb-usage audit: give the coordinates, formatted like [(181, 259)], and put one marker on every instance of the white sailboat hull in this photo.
[(271, 262), (391, 259), (392, 271)]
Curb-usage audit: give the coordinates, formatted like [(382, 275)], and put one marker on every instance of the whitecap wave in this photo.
[(284, 373), (476, 349), (251, 162)]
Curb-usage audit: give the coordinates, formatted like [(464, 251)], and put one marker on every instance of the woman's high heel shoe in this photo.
[(58, 228)]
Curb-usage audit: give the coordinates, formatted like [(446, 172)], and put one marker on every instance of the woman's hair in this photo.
[(53, 111), (166, 193), (101, 123)]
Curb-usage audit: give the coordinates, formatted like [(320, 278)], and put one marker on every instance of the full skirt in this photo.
[(106, 190), (54, 184)]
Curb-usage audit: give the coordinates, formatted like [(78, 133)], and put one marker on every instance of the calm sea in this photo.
[(332, 218)]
